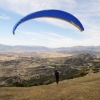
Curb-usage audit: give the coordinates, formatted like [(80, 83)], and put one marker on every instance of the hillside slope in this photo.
[(83, 88)]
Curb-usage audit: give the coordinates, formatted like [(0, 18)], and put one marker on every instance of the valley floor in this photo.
[(83, 88)]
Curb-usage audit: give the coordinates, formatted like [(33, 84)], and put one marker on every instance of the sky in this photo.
[(50, 32)]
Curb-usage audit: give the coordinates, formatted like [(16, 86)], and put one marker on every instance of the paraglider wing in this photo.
[(53, 14)]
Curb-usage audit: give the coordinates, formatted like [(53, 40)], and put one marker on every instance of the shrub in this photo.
[(82, 72)]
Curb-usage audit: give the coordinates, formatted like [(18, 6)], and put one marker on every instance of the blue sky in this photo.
[(48, 31)]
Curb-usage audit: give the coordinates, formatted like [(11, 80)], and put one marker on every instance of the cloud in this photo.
[(49, 36), (35, 34), (56, 35), (26, 6), (88, 11), (3, 16), (51, 39)]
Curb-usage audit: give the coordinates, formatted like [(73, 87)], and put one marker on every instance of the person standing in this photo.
[(57, 76)]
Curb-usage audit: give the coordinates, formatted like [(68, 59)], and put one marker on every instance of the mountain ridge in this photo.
[(74, 49)]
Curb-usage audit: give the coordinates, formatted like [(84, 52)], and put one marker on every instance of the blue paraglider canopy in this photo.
[(53, 14)]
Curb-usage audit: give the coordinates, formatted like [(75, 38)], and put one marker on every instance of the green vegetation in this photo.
[(71, 67), (45, 80)]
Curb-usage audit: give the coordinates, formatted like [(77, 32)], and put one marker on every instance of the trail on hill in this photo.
[(83, 88)]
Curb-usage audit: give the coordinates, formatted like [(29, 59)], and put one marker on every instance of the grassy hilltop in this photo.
[(83, 88)]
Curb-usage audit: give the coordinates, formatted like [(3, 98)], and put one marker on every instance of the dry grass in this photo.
[(84, 88), (53, 55), (5, 58)]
